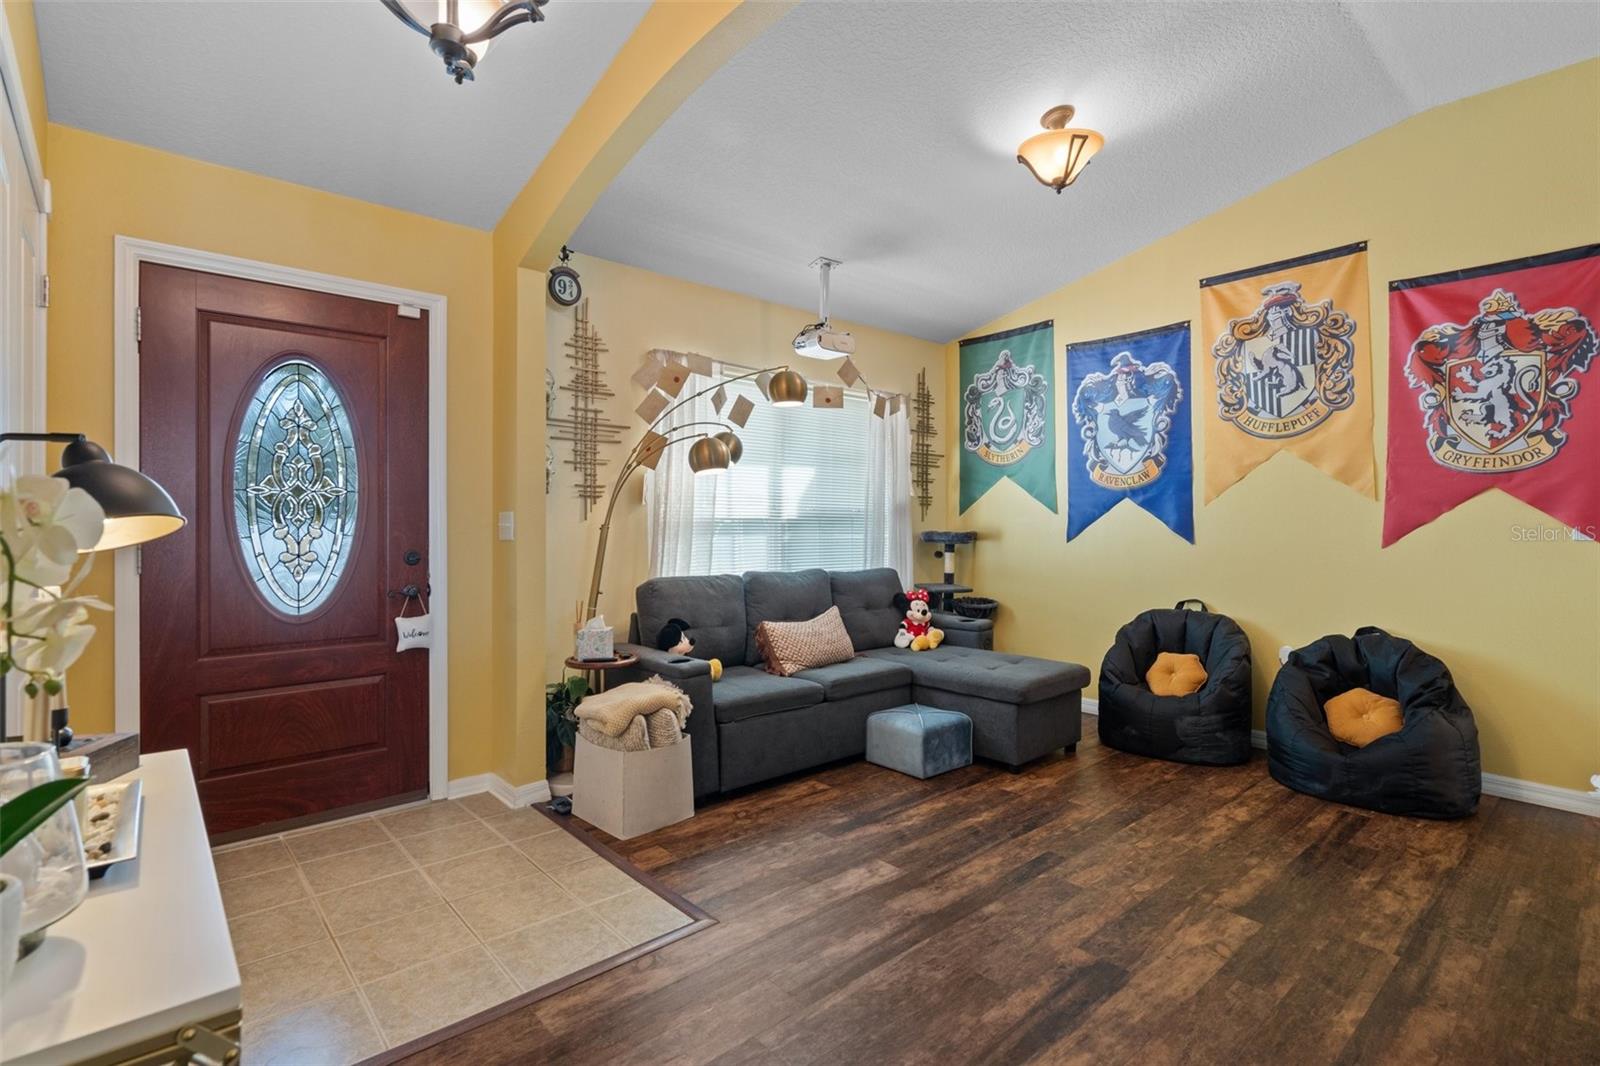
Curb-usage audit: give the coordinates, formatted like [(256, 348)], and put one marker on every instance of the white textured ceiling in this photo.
[(336, 94), (885, 134)]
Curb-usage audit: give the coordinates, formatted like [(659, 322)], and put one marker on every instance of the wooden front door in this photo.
[(292, 429)]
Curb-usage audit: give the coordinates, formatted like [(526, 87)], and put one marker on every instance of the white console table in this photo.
[(145, 956)]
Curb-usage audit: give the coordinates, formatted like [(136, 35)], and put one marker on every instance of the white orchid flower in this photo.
[(52, 654), (44, 526), (46, 523)]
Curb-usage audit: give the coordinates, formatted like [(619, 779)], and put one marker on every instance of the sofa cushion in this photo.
[(858, 677), (775, 596), (746, 692), (790, 647), (712, 605), (866, 600), (991, 675)]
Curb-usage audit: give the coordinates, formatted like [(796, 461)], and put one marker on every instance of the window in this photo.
[(294, 487), (796, 499)]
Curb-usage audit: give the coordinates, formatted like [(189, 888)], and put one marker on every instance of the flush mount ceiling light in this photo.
[(445, 23), (1058, 155)]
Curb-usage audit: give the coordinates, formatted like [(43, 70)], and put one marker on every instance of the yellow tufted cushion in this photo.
[(1175, 674), (1359, 717)]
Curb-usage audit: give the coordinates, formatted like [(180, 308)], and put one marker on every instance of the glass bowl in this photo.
[(49, 861)]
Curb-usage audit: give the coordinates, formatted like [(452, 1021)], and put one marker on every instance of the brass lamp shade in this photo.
[(735, 446), (787, 389), (708, 455), (1058, 155)]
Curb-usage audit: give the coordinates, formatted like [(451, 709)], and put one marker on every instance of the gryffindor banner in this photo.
[(1288, 369), (1487, 390)]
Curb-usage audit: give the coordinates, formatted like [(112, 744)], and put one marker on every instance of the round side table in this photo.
[(595, 669)]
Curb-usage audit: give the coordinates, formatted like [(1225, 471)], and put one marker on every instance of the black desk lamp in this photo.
[(136, 509)]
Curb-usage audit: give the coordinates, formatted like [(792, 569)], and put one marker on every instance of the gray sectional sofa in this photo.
[(753, 726)]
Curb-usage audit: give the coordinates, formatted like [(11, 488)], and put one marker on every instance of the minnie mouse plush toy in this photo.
[(917, 632)]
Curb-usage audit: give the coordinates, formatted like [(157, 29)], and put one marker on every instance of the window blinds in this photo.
[(796, 499)]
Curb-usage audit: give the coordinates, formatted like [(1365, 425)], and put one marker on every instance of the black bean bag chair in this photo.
[(1211, 726), (1429, 769)]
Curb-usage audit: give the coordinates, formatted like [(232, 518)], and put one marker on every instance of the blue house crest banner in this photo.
[(1007, 427), (1128, 398)]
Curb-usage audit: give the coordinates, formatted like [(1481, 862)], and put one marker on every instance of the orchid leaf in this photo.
[(21, 816)]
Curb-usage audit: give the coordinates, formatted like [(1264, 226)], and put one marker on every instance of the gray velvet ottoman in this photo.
[(919, 741)]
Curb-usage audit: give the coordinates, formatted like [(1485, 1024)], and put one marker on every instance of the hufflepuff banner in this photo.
[(1288, 368), (1007, 429), (1128, 398)]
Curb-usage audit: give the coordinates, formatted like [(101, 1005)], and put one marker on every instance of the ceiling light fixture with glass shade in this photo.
[(1058, 155), (446, 24)]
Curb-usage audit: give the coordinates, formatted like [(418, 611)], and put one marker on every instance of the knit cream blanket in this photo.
[(612, 712)]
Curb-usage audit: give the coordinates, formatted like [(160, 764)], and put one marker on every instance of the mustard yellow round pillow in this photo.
[(1360, 716), (1175, 674)]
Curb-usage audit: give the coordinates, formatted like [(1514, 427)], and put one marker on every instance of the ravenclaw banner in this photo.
[(1128, 398), (1487, 390), (1007, 429), (1288, 368)]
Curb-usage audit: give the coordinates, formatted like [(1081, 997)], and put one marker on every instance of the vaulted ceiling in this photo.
[(884, 134), (335, 94), (880, 133)]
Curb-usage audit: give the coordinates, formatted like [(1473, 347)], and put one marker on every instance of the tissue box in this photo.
[(595, 644)]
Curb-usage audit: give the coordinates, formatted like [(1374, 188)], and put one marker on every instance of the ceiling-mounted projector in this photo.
[(820, 340)]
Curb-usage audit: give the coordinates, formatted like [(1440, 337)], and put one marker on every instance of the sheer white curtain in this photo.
[(888, 497), (673, 495), (826, 488)]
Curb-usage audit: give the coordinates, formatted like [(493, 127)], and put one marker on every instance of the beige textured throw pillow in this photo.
[(789, 647)]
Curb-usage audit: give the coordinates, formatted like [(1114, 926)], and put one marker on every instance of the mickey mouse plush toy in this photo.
[(676, 639), (917, 632)]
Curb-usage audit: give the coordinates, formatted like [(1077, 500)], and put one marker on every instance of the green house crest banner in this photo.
[(1007, 426)]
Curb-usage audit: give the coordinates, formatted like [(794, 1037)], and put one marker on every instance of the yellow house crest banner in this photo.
[(1288, 368)]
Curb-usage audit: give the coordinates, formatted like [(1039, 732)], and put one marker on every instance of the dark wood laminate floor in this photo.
[(1097, 908)]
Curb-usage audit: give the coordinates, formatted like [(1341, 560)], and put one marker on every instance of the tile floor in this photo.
[(361, 936)]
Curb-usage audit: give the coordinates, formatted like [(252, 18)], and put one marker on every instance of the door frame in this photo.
[(131, 252), (33, 407)]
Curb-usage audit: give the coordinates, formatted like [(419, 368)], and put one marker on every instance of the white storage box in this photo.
[(628, 793)]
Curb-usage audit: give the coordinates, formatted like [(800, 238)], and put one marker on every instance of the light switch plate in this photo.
[(507, 526)]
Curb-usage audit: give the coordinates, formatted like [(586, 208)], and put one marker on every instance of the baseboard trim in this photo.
[(1512, 788), (1562, 799), (511, 795)]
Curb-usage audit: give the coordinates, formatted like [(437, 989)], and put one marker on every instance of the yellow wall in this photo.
[(25, 42), (1289, 553), (634, 311), (104, 188), (676, 46)]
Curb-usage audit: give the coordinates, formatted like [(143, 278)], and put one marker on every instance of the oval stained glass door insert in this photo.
[(295, 490)]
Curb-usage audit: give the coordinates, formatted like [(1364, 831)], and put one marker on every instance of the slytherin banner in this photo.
[(1007, 429), (1487, 390), (1288, 368), (1128, 398)]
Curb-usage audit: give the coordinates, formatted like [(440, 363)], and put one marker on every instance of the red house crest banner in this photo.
[(1488, 390)]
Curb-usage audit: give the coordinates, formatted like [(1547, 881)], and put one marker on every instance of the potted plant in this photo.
[(561, 721), (46, 526), (18, 818)]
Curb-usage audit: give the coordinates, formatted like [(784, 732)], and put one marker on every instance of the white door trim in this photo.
[(16, 95), (130, 253)]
